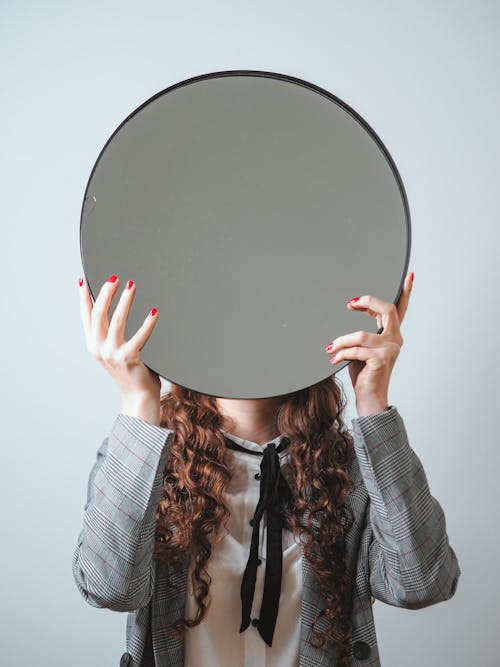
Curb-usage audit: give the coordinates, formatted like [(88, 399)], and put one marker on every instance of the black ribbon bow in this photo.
[(274, 490)]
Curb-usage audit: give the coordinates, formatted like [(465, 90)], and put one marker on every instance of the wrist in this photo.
[(142, 406), (371, 406)]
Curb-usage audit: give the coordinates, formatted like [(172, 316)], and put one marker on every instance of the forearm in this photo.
[(112, 563), (412, 563)]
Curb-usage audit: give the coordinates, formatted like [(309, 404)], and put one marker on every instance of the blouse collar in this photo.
[(249, 444)]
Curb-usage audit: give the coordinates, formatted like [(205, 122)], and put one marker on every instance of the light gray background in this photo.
[(425, 76)]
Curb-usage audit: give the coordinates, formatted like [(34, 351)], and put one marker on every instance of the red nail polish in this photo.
[(80, 281), (129, 284), (412, 276), (356, 298), (153, 312), (112, 279)]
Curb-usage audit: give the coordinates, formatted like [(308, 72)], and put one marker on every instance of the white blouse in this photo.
[(217, 641)]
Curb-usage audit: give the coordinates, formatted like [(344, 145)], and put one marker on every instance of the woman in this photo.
[(175, 525)]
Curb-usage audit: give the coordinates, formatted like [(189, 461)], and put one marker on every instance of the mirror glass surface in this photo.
[(248, 207)]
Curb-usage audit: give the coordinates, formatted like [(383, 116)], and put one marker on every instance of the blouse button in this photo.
[(255, 621), (257, 475), (259, 562)]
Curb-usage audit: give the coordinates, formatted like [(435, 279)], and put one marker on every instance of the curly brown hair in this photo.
[(192, 506)]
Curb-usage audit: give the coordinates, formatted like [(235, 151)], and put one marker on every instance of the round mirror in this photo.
[(248, 207)]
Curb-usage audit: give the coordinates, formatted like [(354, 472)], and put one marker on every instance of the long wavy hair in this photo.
[(192, 508)]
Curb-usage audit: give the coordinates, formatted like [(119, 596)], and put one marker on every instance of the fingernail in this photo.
[(329, 347), (412, 275), (80, 281), (356, 298), (153, 312), (112, 279), (129, 284)]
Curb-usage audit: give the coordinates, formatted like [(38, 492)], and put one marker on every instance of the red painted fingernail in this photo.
[(153, 311), (412, 276), (356, 298), (112, 279), (80, 281), (129, 284)]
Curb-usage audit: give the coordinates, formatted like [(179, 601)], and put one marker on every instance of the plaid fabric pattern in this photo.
[(397, 547)]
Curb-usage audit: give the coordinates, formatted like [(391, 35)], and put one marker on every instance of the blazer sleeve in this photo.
[(411, 562), (113, 563)]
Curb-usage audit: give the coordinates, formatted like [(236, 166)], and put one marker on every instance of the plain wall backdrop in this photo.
[(425, 76)]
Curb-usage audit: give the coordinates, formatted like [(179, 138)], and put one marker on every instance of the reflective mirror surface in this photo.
[(248, 207)]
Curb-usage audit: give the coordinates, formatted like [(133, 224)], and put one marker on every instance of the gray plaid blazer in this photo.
[(397, 547)]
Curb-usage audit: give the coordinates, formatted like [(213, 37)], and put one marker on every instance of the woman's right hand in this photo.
[(106, 341)]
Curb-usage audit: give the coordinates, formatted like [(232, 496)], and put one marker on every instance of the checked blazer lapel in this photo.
[(168, 605), (312, 602)]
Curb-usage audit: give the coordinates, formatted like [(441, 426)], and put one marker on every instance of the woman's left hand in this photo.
[(373, 355)]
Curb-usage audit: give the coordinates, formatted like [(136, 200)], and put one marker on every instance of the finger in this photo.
[(384, 311), (355, 353), (404, 298), (86, 308), (357, 338), (118, 325), (100, 311), (140, 338)]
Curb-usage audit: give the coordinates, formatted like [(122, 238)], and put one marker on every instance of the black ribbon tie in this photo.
[(274, 491)]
